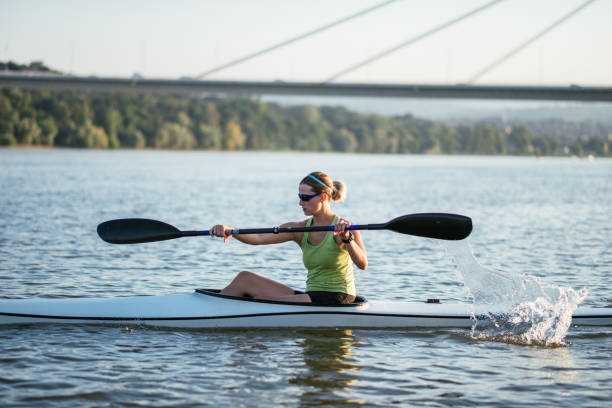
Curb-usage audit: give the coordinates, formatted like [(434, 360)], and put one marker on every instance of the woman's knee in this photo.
[(246, 276), (246, 279)]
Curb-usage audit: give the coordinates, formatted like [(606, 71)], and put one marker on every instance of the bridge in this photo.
[(249, 88), (329, 86)]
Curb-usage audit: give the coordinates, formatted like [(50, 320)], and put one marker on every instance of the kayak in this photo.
[(206, 308)]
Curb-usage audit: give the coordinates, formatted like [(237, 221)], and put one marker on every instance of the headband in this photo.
[(322, 183)]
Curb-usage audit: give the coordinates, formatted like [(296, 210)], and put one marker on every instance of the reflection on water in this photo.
[(556, 364), (327, 355)]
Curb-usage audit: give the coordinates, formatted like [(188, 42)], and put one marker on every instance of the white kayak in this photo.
[(206, 308)]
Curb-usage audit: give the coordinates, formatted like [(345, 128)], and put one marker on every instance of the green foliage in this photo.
[(8, 118), (91, 136), (128, 120), (112, 125), (48, 131), (519, 140), (174, 136), (28, 132), (343, 141), (209, 137), (131, 138), (234, 138), (34, 66)]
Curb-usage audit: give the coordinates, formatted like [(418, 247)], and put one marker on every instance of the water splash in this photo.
[(516, 308)]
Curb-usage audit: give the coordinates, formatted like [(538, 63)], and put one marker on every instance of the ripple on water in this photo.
[(548, 219)]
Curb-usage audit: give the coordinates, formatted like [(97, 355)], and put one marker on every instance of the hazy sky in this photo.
[(185, 38)]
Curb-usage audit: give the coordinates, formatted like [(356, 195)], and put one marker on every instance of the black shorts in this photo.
[(330, 298)]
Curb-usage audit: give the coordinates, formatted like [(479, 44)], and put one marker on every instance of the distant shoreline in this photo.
[(305, 152), (82, 119)]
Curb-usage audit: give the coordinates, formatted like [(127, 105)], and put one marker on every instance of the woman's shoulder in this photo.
[(295, 224), (296, 236)]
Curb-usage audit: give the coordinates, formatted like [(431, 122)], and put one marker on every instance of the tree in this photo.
[(487, 139), (112, 125), (80, 111), (174, 136), (209, 137), (406, 142), (48, 131), (234, 138), (131, 137), (87, 135), (90, 135), (183, 119), (21, 101), (212, 116), (8, 119), (519, 140), (28, 132), (447, 140), (96, 136), (343, 141), (309, 129), (7, 139)]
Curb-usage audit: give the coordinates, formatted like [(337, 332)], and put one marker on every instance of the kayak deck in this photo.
[(206, 308)]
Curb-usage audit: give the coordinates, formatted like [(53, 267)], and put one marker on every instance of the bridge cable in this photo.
[(297, 38), (410, 41), (530, 41)]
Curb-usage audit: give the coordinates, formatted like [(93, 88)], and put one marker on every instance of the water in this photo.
[(543, 221), (519, 308)]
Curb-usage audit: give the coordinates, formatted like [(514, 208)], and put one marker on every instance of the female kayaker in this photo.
[(328, 256)]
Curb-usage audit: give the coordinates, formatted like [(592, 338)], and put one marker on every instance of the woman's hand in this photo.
[(341, 231), (354, 246), (221, 230)]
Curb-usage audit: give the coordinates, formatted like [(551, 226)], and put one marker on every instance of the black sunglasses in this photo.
[(307, 197)]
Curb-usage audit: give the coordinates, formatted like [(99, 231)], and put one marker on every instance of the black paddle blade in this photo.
[(432, 225), (136, 231)]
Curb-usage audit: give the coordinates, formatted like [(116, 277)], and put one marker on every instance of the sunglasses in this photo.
[(307, 197)]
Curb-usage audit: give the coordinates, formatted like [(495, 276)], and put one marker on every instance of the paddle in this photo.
[(428, 225)]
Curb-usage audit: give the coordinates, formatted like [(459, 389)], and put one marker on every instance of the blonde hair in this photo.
[(322, 183)]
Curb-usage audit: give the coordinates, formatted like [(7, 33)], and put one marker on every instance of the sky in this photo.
[(183, 38)]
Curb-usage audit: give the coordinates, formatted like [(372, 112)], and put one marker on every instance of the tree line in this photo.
[(131, 120), (38, 66)]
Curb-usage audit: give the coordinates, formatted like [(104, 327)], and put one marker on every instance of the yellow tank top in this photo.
[(330, 268)]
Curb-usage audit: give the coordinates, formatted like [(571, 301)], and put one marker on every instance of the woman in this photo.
[(328, 256)]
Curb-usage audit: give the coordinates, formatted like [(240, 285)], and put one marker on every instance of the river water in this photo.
[(546, 220)]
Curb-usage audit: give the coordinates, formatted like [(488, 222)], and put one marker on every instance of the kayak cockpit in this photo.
[(359, 300)]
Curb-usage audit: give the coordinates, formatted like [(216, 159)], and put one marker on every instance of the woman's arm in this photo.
[(355, 246), (221, 230)]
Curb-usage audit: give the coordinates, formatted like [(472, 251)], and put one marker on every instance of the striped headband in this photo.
[(322, 183)]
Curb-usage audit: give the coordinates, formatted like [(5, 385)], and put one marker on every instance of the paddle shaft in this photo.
[(278, 230)]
